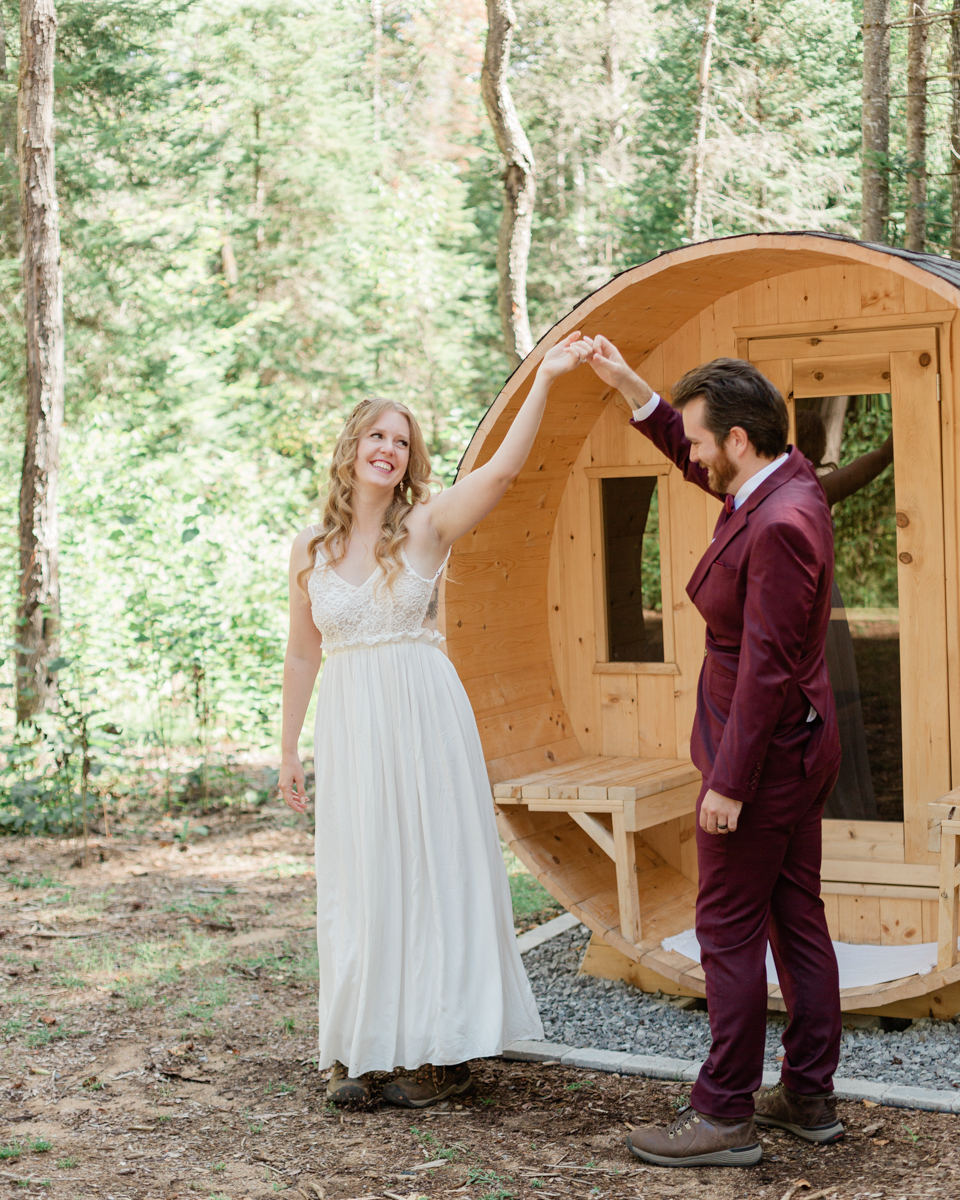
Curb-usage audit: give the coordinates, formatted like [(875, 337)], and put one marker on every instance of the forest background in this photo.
[(270, 210)]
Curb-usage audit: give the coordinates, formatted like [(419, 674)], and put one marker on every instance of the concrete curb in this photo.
[(543, 933), (653, 1066)]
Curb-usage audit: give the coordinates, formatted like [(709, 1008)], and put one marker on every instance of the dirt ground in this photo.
[(159, 1024)]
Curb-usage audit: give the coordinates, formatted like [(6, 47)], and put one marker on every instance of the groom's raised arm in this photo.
[(652, 415), (663, 425)]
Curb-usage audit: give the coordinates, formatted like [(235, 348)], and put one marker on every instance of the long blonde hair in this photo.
[(336, 525)]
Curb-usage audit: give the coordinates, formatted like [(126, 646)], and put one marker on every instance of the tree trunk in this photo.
[(917, 43), (39, 610), (955, 132), (9, 204), (833, 409), (519, 182), (700, 145), (611, 66), (875, 121)]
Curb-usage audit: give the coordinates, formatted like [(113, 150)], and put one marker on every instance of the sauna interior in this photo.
[(566, 616)]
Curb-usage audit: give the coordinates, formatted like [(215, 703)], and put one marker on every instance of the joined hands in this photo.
[(606, 361)]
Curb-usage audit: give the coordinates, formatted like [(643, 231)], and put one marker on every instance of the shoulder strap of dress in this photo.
[(318, 556)]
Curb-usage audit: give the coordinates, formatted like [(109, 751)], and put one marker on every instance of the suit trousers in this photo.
[(763, 882)]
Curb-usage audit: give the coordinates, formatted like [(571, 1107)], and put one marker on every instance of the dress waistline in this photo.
[(429, 637)]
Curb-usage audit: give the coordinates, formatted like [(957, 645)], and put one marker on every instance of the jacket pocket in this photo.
[(720, 683)]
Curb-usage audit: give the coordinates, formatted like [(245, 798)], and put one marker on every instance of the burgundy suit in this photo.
[(763, 588)]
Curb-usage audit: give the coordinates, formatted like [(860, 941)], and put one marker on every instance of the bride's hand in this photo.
[(565, 356), (292, 784)]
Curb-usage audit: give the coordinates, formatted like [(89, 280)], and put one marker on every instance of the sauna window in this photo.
[(631, 557)]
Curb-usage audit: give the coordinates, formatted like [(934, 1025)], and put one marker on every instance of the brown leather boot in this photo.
[(813, 1118), (343, 1089), (428, 1085), (695, 1140)]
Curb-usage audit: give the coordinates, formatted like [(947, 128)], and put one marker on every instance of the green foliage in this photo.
[(27, 881), (44, 1036), (865, 532), (253, 241), (532, 903), (492, 1181), (51, 771)]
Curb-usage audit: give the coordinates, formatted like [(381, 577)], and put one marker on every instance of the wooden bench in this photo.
[(634, 793), (943, 824)]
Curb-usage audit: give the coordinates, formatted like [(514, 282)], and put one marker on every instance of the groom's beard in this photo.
[(721, 472)]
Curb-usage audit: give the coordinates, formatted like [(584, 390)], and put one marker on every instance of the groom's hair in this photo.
[(736, 393)]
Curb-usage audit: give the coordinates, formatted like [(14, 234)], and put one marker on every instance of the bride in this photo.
[(419, 965)]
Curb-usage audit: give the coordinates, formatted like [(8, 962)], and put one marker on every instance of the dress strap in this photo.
[(444, 563), (413, 571)]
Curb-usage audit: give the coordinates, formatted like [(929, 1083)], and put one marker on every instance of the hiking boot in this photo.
[(342, 1089), (813, 1118), (428, 1085), (695, 1140)]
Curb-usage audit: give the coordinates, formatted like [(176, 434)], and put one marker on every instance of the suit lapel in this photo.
[(738, 519)]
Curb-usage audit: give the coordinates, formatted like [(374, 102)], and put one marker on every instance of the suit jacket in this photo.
[(763, 588)]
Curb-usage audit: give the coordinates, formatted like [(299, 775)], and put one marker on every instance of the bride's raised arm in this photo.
[(459, 508)]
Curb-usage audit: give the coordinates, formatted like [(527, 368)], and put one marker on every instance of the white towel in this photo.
[(860, 966)]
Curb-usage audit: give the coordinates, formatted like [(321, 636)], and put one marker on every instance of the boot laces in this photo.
[(429, 1074), (686, 1119)]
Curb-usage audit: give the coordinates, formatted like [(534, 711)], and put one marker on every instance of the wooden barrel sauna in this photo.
[(566, 616)]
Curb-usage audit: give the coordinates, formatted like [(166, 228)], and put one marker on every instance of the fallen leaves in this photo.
[(795, 1187)]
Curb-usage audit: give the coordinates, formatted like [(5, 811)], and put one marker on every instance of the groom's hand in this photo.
[(718, 814), (610, 365)]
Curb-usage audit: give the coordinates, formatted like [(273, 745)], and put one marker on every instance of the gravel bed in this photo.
[(607, 1014)]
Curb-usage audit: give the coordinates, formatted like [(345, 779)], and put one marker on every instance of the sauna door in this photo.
[(904, 364)]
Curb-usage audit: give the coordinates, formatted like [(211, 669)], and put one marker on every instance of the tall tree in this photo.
[(703, 101), (519, 181), (917, 47), (875, 121), (954, 157), (9, 216), (38, 618)]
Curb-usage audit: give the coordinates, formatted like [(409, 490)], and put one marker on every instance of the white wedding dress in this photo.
[(418, 957)]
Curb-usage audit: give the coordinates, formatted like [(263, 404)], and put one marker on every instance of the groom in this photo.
[(765, 739)]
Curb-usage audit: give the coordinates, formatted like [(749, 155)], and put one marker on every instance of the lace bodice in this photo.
[(371, 613)]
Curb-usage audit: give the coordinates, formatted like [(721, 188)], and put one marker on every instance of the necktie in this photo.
[(725, 515)]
